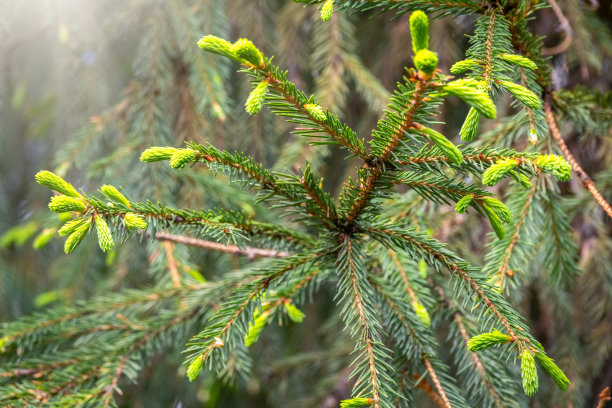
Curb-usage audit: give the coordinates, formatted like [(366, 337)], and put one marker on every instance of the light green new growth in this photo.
[(421, 312), (498, 171), (356, 402), (463, 204), (486, 340), (56, 183), (446, 146), (69, 227), (153, 154), (464, 65), (502, 211), (255, 328), (105, 238), (519, 60), (423, 269), (114, 194), (495, 222), (293, 312), (62, 203), (524, 181), (194, 369), (470, 125), (256, 98), (218, 46), (246, 51), (553, 370), (181, 158), (471, 92), (133, 221), (426, 61), (43, 238), (327, 11), (555, 165), (522, 94), (76, 236), (529, 373), (316, 112), (419, 31)]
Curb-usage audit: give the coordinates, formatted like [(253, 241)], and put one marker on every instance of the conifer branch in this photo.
[(249, 252), (587, 182), (371, 173), (477, 362), (172, 266), (488, 66), (503, 270), (428, 389), (367, 329), (232, 311), (603, 397), (402, 237), (436, 381), (444, 7), (414, 339)]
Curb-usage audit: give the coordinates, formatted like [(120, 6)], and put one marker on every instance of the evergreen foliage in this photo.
[(414, 321)]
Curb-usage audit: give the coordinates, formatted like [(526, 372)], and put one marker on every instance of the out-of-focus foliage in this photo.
[(85, 87)]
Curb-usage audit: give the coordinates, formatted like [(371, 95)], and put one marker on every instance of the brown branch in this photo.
[(278, 85), (584, 177), (477, 363), (455, 268), (320, 201), (436, 3), (436, 381), (218, 340), (514, 240), (367, 186), (603, 397), (174, 273), (489, 46), (428, 389), (440, 158), (565, 27), (362, 319), (112, 387), (251, 253)]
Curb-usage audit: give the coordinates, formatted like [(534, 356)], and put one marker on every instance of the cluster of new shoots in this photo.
[(528, 366), (70, 202), (553, 164)]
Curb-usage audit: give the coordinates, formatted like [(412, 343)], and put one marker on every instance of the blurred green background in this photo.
[(85, 86)]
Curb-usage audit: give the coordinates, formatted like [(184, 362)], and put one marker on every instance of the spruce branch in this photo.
[(587, 182), (478, 363), (414, 339), (407, 239), (287, 100), (440, 7), (355, 295), (249, 252), (232, 313)]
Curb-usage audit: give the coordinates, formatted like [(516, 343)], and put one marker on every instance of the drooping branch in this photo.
[(587, 182)]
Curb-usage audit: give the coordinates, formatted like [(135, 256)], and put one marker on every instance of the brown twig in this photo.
[(603, 397), (584, 177), (477, 363), (174, 273), (565, 27), (428, 389), (436, 381), (251, 253)]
